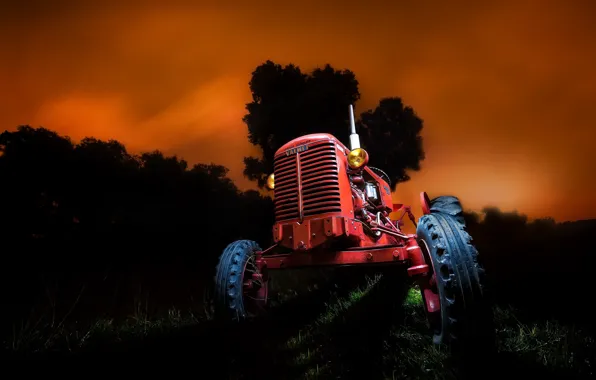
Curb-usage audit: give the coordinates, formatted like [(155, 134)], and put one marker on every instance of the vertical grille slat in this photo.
[(309, 179)]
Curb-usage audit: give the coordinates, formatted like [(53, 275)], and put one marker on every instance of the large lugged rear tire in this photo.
[(240, 289), (465, 317)]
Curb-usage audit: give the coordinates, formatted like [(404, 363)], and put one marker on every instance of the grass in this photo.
[(367, 330), (408, 348), (548, 343), (42, 337)]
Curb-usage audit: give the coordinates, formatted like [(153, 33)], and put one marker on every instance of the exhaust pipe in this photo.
[(354, 138)]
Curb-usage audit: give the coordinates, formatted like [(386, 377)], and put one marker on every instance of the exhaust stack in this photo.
[(354, 138)]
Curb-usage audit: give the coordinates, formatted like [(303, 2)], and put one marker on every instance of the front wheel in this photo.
[(241, 289), (457, 307)]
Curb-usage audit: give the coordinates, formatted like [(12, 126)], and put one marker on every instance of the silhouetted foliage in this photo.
[(391, 134), (74, 214), (288, 103), (542, 267)]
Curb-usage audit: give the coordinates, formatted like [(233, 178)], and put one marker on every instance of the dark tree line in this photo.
[(54, 190), (542, 267), (74, 213)]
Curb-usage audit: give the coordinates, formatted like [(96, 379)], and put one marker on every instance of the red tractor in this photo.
[(333, 209)]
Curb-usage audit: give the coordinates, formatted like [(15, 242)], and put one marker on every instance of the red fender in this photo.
[(425, 203)]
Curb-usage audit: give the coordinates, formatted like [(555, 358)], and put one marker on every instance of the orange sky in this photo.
[(506, 89)]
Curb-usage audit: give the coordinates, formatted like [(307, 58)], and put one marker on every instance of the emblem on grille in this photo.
[(298, 149)]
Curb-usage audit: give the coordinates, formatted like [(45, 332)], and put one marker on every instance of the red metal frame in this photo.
[(408, 253), (325, 258)]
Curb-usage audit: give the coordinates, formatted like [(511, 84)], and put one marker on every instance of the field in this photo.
[(319, 326)]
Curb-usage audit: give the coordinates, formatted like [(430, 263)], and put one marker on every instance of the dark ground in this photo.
[(365, 328)]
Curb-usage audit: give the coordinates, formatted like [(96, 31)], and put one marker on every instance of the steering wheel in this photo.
[(381, 174)]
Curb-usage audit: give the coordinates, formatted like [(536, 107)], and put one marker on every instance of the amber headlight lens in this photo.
[(271, 181), (357, 158)]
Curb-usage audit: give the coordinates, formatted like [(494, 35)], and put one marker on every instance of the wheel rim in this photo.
[(430, 293), (255, 289)]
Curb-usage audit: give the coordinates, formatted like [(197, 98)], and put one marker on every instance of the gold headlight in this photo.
[(357, 158), (271, 181)]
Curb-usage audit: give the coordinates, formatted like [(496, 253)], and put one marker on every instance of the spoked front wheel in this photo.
[(241, 287)]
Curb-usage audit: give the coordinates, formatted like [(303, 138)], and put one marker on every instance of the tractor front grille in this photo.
[(307, 182)]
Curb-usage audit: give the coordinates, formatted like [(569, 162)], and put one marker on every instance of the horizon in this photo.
[(480, 212)]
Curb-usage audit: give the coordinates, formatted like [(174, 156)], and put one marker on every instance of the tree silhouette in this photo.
[(391, 134), (288, 103)]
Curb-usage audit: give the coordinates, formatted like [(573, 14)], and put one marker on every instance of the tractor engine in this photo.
[(369, 192), (372, 198), (372, 193)]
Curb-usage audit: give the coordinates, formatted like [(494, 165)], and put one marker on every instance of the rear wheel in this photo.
[(454, 295), (241, 289)]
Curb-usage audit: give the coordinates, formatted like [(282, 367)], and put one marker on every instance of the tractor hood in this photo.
[(301, 143)]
